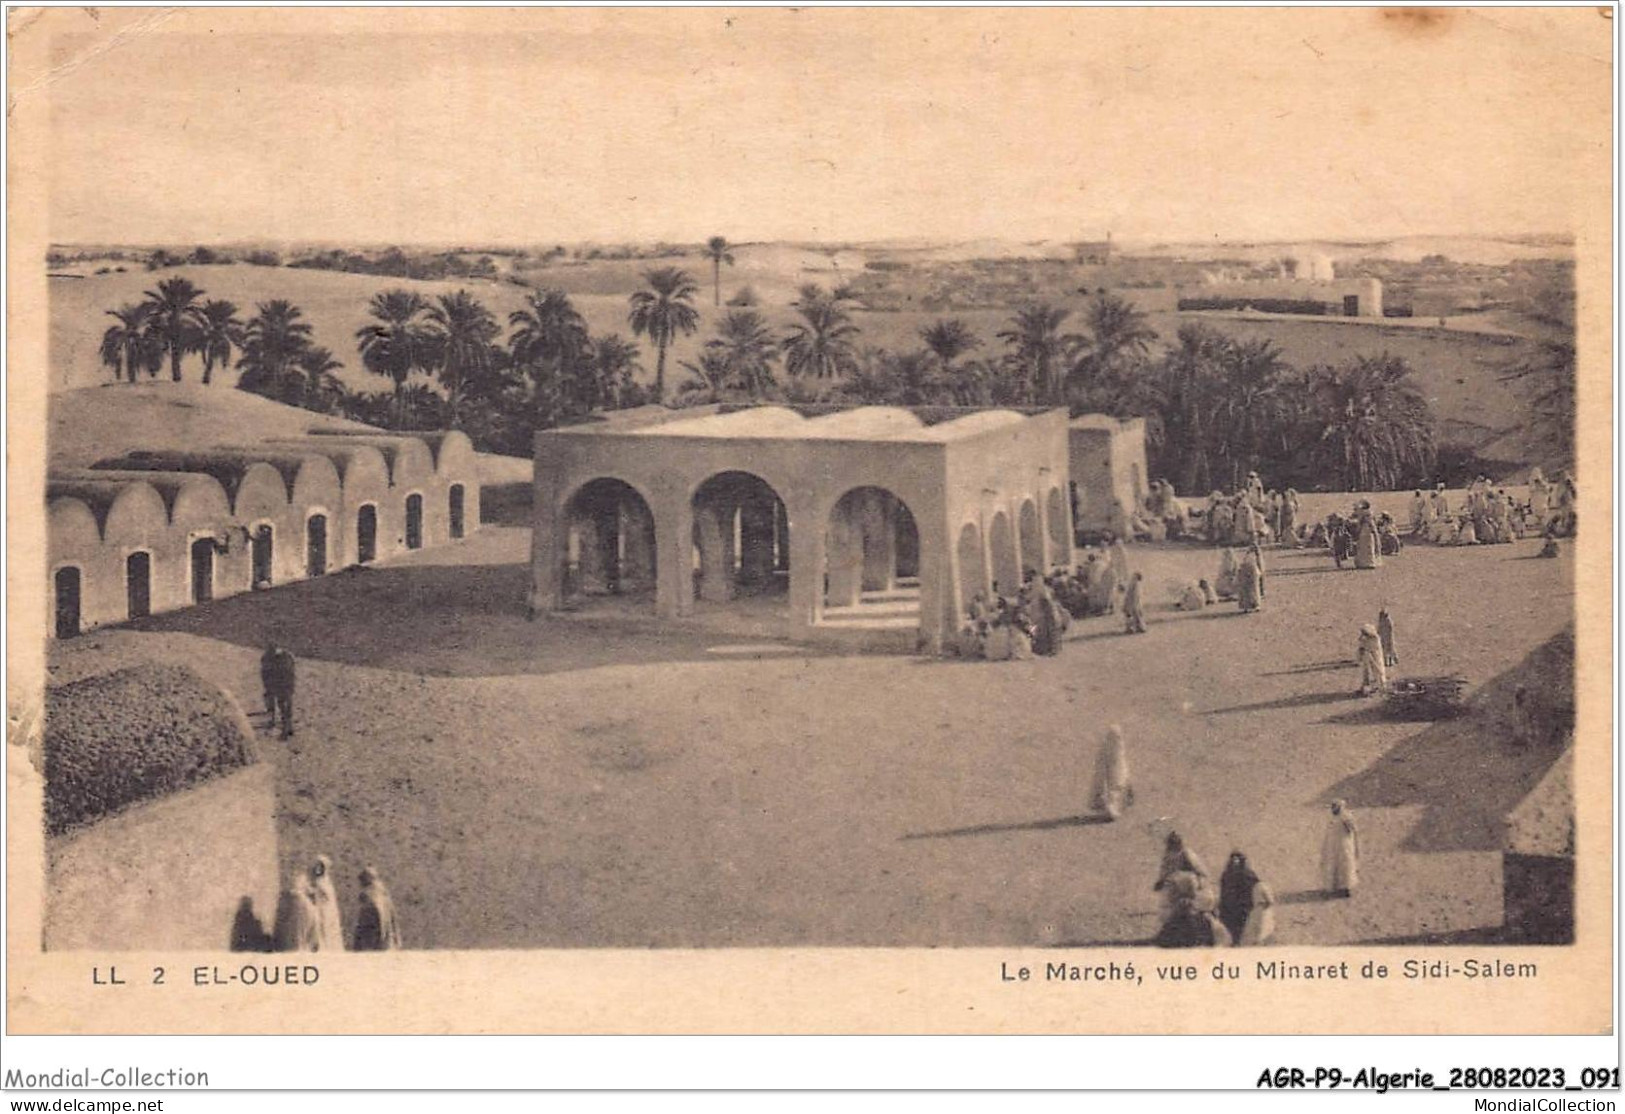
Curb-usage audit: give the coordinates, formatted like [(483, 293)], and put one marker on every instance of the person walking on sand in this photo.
[(376, 929), (1112, 790), (1340, 852), (277, 675), (1249, 583), (1236, 886), (329, 925), (1133, 606), (1373, 673), (1260, 927), (1385, 634), (296, 928)]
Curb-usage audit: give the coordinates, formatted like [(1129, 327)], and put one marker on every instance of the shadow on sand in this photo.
[(1084, 821), (1301, 700), (465, 620), (1468, 773)]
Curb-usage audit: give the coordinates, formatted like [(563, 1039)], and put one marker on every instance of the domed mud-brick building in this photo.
[(871, 526), (155, 530)]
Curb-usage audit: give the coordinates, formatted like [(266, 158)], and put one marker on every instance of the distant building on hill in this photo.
[(1315, 297), (1093, 251)]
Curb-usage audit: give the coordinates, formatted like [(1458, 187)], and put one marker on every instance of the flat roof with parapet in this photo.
[(772, 422)]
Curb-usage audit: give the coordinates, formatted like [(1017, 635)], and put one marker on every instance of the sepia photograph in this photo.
[(1074, 491)]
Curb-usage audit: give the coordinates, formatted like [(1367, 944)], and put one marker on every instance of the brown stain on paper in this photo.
[(1418, 23)]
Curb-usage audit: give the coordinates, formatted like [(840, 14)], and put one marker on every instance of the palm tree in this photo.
[(464, 335), (717, 249), (128, 347), (1546, 372), (274, 341), (219, 333), (175, 319), (551, 344), (1039, 348), (821, 346), (663, 311), (748, 351), (916, 378), (709, 379), (323, 390), (1376, 432), (1119, 338), (1189, 382), (615, 369), (949, 339), (396, 344), (1248, 404)]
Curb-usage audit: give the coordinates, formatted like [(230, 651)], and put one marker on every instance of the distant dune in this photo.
[(91, 423)]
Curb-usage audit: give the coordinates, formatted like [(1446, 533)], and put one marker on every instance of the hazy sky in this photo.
[(532, 126)]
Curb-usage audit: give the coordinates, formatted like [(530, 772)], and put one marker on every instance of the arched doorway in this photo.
[(869, 531), (67, 601), (138, 584), (1032, 540), (1006, 562), (202, 555), (262, 549), (972, 568), (454, 510), (1060, 543), (414, 522), (908, 544), (741, 538), (316, 545), (366, 534), (608, 540)]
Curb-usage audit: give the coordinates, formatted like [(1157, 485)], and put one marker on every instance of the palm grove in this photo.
[(1216, 407)]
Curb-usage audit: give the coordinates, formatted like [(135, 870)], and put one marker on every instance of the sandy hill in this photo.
[(91, 423), (96, 422)]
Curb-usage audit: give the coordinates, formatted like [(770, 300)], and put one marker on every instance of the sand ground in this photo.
[(599, 780)]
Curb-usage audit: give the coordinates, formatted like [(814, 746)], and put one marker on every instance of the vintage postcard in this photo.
[(749, 520)]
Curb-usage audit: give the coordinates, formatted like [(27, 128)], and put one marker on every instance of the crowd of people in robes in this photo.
[(1240, 914), (1252, 516), (308, 917), (1035, 620), (1242, 911), (1491, 516)]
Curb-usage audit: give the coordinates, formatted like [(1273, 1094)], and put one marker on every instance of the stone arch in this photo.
[(972, 566), (741, 536), (1059, 535), (607, 544), (1032, 538), (862, 546), (1006, 559)]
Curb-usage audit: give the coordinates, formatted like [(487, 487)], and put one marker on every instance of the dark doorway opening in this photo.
[(454, 510), (261, 548), (316, 545), (414, 522), (138, 584), (366, 534), (203, 570), (1351, 305), (67, 602)]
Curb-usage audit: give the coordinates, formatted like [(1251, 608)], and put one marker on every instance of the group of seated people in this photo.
[(998, 627), (1491, 516)]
